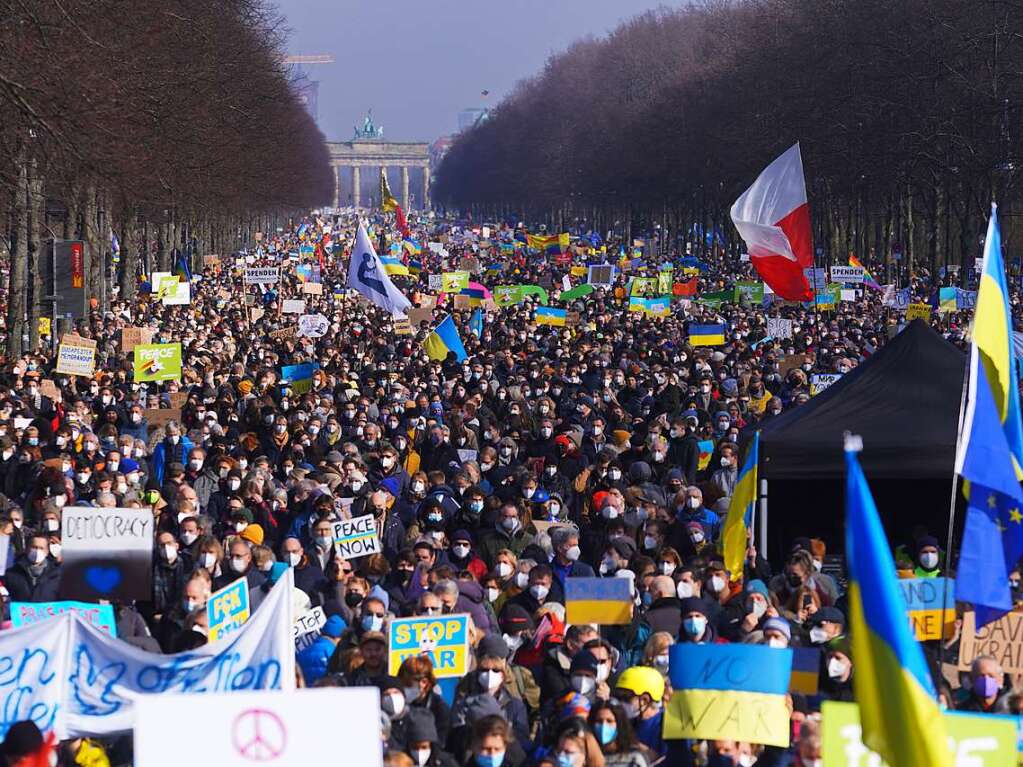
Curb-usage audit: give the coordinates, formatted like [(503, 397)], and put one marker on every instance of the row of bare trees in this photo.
[(908, 114), (171, 125)]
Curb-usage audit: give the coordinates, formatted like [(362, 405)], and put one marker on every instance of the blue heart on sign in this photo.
[(103, 579)]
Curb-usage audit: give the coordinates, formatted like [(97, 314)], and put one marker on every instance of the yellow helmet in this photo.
[(642, 679)]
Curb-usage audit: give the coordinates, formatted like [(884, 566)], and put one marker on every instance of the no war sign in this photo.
[(924, 598), (354, 538), (445, 639)]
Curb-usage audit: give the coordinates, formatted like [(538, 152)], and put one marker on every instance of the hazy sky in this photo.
[(417, 63)]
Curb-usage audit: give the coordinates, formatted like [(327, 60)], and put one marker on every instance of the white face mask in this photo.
[(836, 668), (667, 568), (208, 559), (717, 583), (777, 642), (460, 551), (573, 553), (684, 589), (422, 756), (522, 580), (539, 592), (53, 525), (929, 560), (233, 484), (35, 556), (188, 538), (695, 503), (603, 672), (55, 550), (504, 569), (238, 564), (493, 594), (818, 635), (758, 608), (490, 680), (583, 685), (170, 552), (294, 557), (649, 542), (195, 464)]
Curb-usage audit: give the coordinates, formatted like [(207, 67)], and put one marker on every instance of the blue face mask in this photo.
[(564, 760), (490, 760), (372, 622), (606, 732), (695, 626)]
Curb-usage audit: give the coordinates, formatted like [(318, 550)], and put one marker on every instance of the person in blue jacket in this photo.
[(174, 447), (313, 659)]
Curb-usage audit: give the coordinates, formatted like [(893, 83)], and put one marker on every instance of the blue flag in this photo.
[(476, 323)]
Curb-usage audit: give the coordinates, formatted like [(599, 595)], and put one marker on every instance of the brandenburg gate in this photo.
[(368, 149)]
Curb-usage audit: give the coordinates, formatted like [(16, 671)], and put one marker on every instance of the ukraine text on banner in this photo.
[(444, 339), (738, 523), (548, 315), (729, 692), (892, 684), (706, 335), (603, 601)]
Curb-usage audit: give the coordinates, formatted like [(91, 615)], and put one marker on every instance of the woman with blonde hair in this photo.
[(575, 747), (657, 650)]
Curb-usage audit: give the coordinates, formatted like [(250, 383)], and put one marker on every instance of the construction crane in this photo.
[(315, 58)]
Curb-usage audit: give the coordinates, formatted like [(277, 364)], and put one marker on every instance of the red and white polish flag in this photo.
[(773, 217)]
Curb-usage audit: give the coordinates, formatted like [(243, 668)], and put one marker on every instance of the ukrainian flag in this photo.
[(602, 601), (992, 348), (394, 267), (444, 339), (706, 335), (411, 247), (893, 687), (806, 669), (548, 315), (181, 267), (739, 521), (475, 295), (415, 266)]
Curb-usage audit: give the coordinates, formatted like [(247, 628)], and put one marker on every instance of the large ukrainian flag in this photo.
[(898, 708), (444, 339), (740, 513)]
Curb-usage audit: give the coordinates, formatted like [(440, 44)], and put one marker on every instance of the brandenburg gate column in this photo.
[(426, 186), (337, 186), (404, 187), (356, 184)]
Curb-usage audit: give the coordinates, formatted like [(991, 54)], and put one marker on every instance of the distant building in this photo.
[(467, 118)]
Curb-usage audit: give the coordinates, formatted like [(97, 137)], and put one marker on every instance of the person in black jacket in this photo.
[(35, 576), (309, 575)]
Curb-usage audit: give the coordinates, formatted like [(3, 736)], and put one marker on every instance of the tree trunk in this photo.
[(37, 212), (19, 263), (908, 201)]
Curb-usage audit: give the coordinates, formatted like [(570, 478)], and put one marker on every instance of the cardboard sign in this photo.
[(157, 418), (435, 281), (243, 729), (444, 638), (100, 616), (779, 328), (601, 601), (76, 359), (463, 302), (108, 553), (312, 288), (228, 609), (924, 597), (418, 315), (354, 538), (791, 363), (264, 275), (307, 627), (402, 327), (157, 362), (293, 306), (256, 314), (1002, 639), (918, 312), (177, 399), (132, 337), (283, 333), (978, 740), (821, 381)]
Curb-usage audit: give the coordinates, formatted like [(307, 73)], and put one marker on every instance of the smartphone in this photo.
[(807, 600)]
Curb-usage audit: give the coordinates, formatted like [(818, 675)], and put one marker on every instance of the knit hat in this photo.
[(757, 586), (584, 660), (693, 605), (492, 646), (22, 739), (334, 627), (780, 625), (253, 534), (515, 618), (624, 547)]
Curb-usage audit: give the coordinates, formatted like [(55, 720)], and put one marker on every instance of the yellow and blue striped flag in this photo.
[(603, 601), (706, 335), (393, 266), (738, 523), (552, 244), (548, 315), (444, 339), (898, 707)]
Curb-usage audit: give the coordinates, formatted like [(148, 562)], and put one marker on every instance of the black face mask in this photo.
[(795, 581), (353, 599)]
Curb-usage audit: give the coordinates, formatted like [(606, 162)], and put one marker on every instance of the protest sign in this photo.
[(293, 306), (977, 740), (918, 312), (452, 282), (307, 627), (281, 728), (354, 538), (817, 278), (751, 291), (821, 381), (284, 333), (402, 327), (464, 302), (507, 295), (256, 313), (312, 288), (75, 357), (849, 275), (444, 638), (435, 282), (100, 616), (313, 325), (108, 553), (791, 362), (729, 692), (806, 667), (132, 337), (228, 609), (924, 598), (1001, 639), (263, 275), (157, 362), (601, 275), (779, 328), (159, 417), (299, 377), (174, 292), (603, 601)]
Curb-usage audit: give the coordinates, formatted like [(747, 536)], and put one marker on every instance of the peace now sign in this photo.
[(262, 729)]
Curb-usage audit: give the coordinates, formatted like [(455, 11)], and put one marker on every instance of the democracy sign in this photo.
[(249, 728), (729, 692), (157, 362), (76, 357), (71, 677), (924, 598), (108, 553), (354, 538), (977, 740), (444, 638), (1002, 640), (100, 616), (261, 275), (228, 609)]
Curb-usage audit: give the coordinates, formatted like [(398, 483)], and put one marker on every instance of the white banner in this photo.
[(779, 328), (264, 275), (850, 275), (313, 325), (68, 676)]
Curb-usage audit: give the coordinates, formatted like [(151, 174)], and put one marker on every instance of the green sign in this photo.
[(980, 740), (752, 291), (157, 362), (716, 299)]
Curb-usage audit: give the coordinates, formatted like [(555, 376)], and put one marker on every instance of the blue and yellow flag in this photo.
[(706, 335), (394, 267), (738, 523), (552, 244), (603, 601), (900, 715), (181, 267), (444, 339), (548, 315)]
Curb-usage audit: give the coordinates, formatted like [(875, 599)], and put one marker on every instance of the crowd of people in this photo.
[(609, 447)]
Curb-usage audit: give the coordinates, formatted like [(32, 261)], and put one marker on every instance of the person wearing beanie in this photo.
[(697, 627), (927, 558), (836, 681), (777, 632)]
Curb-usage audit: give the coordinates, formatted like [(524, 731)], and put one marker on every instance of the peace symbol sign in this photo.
[(259, 735)]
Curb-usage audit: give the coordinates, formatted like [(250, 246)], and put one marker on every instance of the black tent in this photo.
[(904, 402)]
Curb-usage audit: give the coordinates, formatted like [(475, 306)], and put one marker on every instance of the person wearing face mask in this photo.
[(825, 624), (986, 693), (196, 593), (35, 576), (206, 475), (170, 571), (462, 556), (689, 508), (239, 565), (424, 742), (313, 659), (387, 467), (664, 614), (309, 575), (538, 592), (174, 447), (615, 735), (928, 558), (836, 680), (419, 683), (566, 562), (508, 534), (697, 626), (639, 690), (492, 686)]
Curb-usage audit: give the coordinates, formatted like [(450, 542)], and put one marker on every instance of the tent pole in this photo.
[(762, 520)]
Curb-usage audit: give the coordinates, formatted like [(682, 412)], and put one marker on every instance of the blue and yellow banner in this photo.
[(445, 639), (299, 377), (806, 668), (602, 601), (394, 267), (739, 521), (651, 307), (924, 599), (706, 335), (548, 315), (444, 339), (728, 692)]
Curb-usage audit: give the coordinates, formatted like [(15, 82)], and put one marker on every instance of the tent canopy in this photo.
[(904, 401)]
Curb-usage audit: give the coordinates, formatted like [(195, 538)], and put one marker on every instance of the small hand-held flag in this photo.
[(738, 523)]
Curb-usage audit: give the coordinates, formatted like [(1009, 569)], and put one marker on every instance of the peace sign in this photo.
[(259, 735)]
